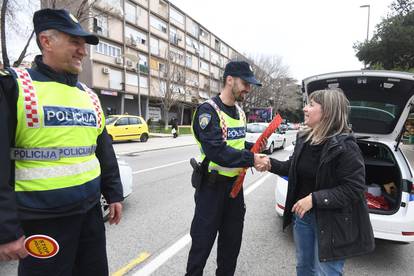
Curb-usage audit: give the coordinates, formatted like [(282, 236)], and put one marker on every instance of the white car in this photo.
[(380, 104), (125, 172), (276, 141)]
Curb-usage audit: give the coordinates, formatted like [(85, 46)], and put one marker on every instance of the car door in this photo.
[(122, 129), (135, 125)]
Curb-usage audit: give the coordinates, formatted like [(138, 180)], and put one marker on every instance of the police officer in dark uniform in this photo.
[(219, 127), (44, 113)]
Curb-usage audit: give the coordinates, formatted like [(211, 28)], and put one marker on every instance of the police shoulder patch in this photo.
[(204, 120), (4, 73)]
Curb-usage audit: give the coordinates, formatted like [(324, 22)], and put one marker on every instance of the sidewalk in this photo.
[(162, 141)]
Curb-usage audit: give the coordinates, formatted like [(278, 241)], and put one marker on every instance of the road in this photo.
[(157, 218)]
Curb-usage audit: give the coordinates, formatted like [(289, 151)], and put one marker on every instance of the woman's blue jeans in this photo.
[(305, 235)]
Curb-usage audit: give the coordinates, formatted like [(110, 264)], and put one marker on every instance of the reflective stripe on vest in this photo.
[(234, 133), (69, 122), (50, 153)]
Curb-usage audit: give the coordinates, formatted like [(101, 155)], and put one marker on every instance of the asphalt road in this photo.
[(157, 218)]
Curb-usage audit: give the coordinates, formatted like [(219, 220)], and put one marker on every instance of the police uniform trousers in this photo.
[(216, 211), (82, 245)]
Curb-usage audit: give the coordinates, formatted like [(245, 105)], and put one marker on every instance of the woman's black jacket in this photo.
[(344, 227)]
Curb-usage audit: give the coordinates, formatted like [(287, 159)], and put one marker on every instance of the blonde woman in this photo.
[(325, 199)]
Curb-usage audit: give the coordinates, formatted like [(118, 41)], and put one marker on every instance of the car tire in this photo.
[(144, 137), (271, 148), (104, 208), (283, 144)]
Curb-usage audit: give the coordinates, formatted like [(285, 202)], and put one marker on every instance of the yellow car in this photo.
[(127, 127)]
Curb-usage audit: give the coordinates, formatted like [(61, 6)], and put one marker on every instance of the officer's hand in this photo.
[(13, 250), (261, 162), (115, 212)]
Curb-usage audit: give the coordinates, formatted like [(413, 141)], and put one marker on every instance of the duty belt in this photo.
[(50, 153)]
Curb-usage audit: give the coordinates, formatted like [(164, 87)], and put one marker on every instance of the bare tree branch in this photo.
[(23, 53), (5, 57)]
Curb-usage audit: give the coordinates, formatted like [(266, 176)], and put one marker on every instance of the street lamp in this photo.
[(135, 58), (369, 7)]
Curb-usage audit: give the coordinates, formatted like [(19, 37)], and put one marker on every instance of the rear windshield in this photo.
[(376, 102), (255, 128)]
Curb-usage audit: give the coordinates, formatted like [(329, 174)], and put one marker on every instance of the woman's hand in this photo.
[(302, 206)]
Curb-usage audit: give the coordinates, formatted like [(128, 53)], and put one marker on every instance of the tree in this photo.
[(171, 76), (12, 12), (392, 45), (277, 87), (12, 25)]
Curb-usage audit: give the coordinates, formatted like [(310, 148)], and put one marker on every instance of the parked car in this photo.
[(127, 127), (380, 102), (276, 141), (125, 172)]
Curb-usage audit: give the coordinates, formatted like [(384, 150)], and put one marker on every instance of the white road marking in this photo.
[(185, 240), (163, 166)]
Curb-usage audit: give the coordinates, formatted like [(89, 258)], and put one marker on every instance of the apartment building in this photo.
[(142, 44)]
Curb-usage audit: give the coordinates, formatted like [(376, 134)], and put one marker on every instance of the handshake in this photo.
[(262, 162)]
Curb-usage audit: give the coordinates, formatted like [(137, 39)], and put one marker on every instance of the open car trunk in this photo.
[(383, 178)]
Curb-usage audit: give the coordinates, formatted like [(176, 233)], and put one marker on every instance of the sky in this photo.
[(311, 36)]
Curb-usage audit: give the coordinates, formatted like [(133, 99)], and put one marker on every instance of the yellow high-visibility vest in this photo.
[(234, 134), (56, 136)]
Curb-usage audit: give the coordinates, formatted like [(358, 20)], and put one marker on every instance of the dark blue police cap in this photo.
[(242, 70), (62, 21)]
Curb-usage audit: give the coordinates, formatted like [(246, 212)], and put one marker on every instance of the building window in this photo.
[(176, 16), (203, 33), (130, 12), (224, 50), (194, 30), (143, 82), (107, 49), (158, 24), (189, 61), (176, 55), (135, 36), (175, 37), (191, 43), (115, 80), (204, 65), (162, 67), (100, 25), (131, 79), (155, 46), (143, 63)]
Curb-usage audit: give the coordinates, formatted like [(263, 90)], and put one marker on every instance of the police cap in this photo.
[(63, 21), (242, 70)]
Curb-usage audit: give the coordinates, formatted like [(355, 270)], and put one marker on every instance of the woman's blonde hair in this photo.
[(334, 120)]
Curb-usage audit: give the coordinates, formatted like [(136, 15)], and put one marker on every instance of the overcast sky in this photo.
[(312, 36)]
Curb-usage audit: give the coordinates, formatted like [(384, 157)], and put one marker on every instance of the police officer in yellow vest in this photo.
[(219, 126), (55, 154)]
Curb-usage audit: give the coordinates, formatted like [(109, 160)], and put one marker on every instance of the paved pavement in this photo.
[(164, 141), (155, 142)]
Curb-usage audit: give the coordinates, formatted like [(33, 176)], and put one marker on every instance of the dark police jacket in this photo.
[(211, 137), (10, 212), (343, 224)]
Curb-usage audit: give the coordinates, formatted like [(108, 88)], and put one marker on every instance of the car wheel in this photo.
[(144, 137), (283, 144), (271, 148), (104, 208)]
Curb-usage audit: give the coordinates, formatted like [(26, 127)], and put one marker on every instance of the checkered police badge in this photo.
[(204, 119)]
